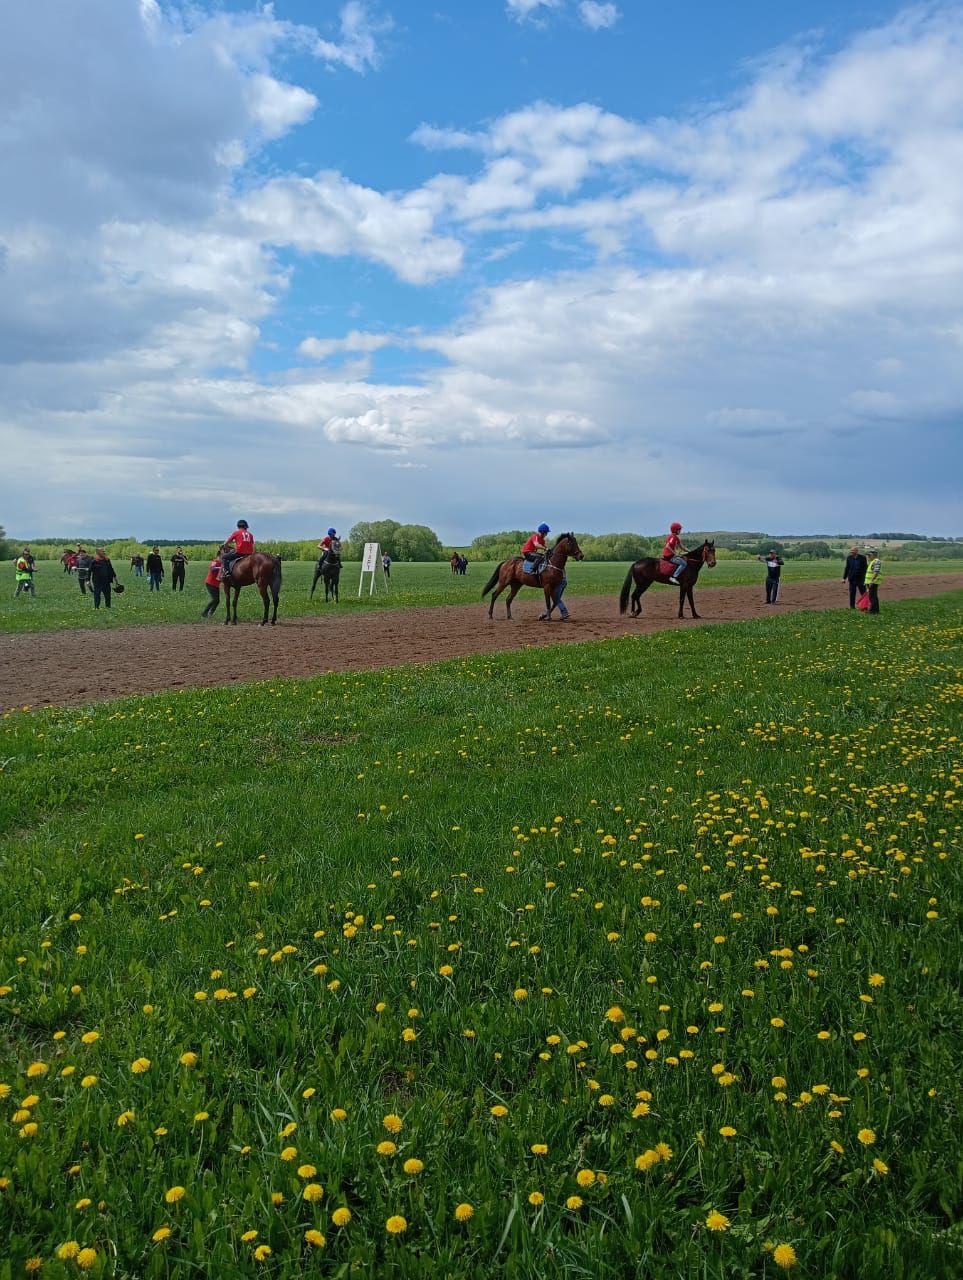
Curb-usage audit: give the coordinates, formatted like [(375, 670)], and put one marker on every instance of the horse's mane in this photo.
[(561, 538)]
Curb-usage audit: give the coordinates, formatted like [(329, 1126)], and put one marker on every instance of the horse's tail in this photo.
[(276, 579), (626, 588), (492, 580)]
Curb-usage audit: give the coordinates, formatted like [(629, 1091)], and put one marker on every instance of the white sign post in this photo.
[(371, 563)]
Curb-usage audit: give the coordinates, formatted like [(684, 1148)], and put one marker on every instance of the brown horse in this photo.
[(510, 573), (258, 570), (455, 562), (653, 569)]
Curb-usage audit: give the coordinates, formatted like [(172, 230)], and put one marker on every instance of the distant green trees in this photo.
[(400, 541)]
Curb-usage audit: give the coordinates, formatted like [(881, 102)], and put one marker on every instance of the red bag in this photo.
[(863, 601)]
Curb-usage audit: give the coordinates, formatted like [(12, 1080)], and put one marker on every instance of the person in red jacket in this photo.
[(674, 551), (237, 544), (213, 584), (534, 549)]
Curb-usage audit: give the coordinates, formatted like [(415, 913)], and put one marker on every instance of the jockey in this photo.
[(330, 542), (534, 549), (239, 543), (674, 551)]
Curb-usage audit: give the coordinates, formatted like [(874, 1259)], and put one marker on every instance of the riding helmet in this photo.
[(543, 528), (675, 526), (332, 533), (242, 524)]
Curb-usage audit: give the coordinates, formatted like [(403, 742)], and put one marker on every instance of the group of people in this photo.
[(94, 573)]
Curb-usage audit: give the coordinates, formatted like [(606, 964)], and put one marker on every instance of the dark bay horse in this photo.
[(328, 568), (455, 562), (258, 570), (653, 569), (510, 573)]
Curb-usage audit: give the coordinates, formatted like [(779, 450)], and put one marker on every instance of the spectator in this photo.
[(84, 561), (101, 576), (155, 570), (24, 575), (213, 584), (68, 560), (178, 569), (855, 574), (386, 564), (874, 571), (773, 569), (28, 555), (137, 564)]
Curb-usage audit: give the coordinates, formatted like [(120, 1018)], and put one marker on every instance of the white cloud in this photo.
[(522, 9), (366, 343), (598, 16), (358, 48)]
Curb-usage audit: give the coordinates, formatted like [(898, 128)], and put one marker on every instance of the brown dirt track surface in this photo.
[(60, 668)]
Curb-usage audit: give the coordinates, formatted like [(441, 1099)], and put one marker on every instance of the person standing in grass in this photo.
[(178, 569), (137, 564), (101, 577), (773, 564), (155, 570), (386, 565), (854, 573), (213, 584), (84, 561), (66, 559), (24, 575), (874, 571)]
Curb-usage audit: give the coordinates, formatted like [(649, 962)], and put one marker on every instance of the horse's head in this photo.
[(568, 543), (709, 553)]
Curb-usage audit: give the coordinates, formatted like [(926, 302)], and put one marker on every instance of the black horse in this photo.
[(328, 568), (654, 569)]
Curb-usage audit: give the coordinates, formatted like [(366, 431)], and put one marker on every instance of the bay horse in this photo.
[(256, 570), (511, 573), (455, 562), (654, 569), (328, 568)]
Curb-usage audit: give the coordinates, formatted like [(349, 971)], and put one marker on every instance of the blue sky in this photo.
[(480, 265)]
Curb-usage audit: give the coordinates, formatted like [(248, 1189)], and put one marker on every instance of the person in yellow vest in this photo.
[(874, 571), (24, 575)]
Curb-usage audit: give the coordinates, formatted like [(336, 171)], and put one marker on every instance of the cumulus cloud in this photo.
[(598, 16), (522, 9), (748, 283)]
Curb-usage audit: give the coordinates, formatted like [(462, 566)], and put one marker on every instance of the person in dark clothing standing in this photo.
[(773, 569), (178, 570), (137, 564), (155, 570), (855, 574), (84, 561), (101, 576)]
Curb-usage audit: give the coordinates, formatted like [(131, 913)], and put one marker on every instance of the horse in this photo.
[(455, 562), (654, 569), (328, 568), (256, 570), (511, 573)]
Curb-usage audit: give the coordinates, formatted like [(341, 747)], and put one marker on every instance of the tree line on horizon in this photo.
[(418, 542)]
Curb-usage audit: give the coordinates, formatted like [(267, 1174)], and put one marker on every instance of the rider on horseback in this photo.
[(674, 551), (330, 542), (535, 549), (239, 543)]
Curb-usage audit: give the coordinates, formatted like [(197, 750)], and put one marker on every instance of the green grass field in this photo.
[(637, 957), (59, 605)]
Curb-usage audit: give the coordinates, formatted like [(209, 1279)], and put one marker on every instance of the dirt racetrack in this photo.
[(56, 668)]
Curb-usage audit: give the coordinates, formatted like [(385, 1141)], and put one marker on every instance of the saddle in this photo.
[(534, 565)]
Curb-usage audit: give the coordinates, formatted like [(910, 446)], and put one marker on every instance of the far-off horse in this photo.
[(328, 568), (257, 570), (653, 569)]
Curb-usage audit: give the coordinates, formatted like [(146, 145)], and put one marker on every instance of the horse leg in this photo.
[(237, 592), (491, 604), (227, 604), (262, 587), (692, 608), (637, 595), (516, 587)]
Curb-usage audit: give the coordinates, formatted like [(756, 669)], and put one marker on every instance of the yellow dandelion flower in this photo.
[(867, 1137), (413, 1167), (173, 1194), (393, 1123), (463, 1212), (341, 1217), (784, 1255), (717, 1221), (161, 1234), (314, 1237), (313, 1192), (396, 1224)]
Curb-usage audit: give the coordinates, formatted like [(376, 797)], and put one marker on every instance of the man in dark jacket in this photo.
[(773, 563), (84, 561), (855, 574), (178, 569), (155, 570), (101, 576)]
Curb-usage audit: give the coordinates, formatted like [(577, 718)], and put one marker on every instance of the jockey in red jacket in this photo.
[(534, 549), (237, 544), (674, 551)]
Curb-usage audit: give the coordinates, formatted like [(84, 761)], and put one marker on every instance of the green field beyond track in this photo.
[(633, 958), (59, 604)]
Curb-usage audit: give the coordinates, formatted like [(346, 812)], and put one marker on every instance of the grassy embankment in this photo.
[(59, 604), (654, 972)]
